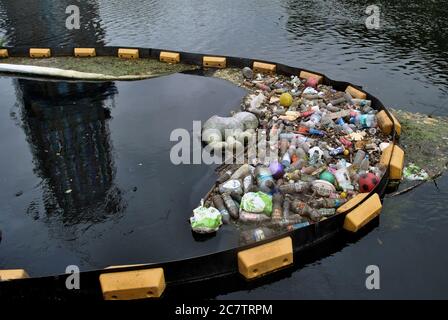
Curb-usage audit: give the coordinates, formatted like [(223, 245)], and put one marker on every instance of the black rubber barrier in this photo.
[(188, 272)]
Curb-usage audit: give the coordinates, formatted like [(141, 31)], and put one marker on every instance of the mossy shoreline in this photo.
[(112, 66)]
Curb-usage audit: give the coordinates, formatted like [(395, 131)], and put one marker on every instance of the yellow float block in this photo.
[(130, 285), (352, 202), (355, 93), (13, 274), (363, 214), (385, 123), (128, 53), (170, 57), (3, 53), (262, 67), (214, 62), (85, 52), (258, 261), (396, 161), (306, 75), (40, 53)]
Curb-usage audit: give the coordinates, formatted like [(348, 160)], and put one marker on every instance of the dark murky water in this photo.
[(404, 63)]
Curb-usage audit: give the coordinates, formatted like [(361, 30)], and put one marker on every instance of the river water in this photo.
[(109, 217)]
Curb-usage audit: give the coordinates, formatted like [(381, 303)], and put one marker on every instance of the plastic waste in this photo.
[(231, 186), (364, 120), (205, 220), (230, 205), (414, 173), (219, 204), (277, 211), (242, 172), (276, 169), (255, 235), (343, 179), (257, 101), (265, 181), (297, 187), (326, 212), (257, 202), (327, 203), (298, 226), (286, 206), (365, 164), (252, 217), (248, 73)]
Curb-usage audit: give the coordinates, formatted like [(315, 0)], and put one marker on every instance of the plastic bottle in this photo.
[(284, 145), (255, 235), (343, 179), (298, 137), (344, 126), (359, 156), (286, 160), (297, 187), (248, 183), (230, 205), (294, 175), (337, 151), (301, 154), (311, 131), (257, 101), (327, 203), (231, 186), (277, 212), (364, 120), (285, 222), (286, 206), (224, 177), (236, 197), (252, 217), (265, 180), (219, 204), (242, 171), (298, 226), (305, 210), (327, 212), (365, 164)]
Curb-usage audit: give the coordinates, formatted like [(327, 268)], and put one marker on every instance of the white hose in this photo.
[(62, 73)]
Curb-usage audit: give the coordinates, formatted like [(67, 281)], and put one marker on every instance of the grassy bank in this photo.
[(112, 66)]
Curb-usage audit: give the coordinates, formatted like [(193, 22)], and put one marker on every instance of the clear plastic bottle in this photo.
[(255, 235), (364, 120), (365, 164), (277, 211)]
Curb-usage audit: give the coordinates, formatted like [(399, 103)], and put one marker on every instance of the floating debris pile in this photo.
[(300, 150)]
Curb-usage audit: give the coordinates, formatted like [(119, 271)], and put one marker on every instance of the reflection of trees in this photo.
[(410, 30), (42, 23), (66, 127)]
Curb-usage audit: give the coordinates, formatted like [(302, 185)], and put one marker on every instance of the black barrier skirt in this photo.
[(198, 272)]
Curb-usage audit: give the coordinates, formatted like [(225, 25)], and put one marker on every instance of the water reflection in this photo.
[(66, 126), (27, 23)]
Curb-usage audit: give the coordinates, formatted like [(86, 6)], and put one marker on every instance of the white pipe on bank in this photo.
[(62, 73)]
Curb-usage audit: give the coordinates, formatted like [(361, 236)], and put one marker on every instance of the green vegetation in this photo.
[(425, 140), (112, 66)]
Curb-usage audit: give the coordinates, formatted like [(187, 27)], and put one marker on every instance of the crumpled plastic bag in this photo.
[(257, 202), (414, 173), (205, 220)]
